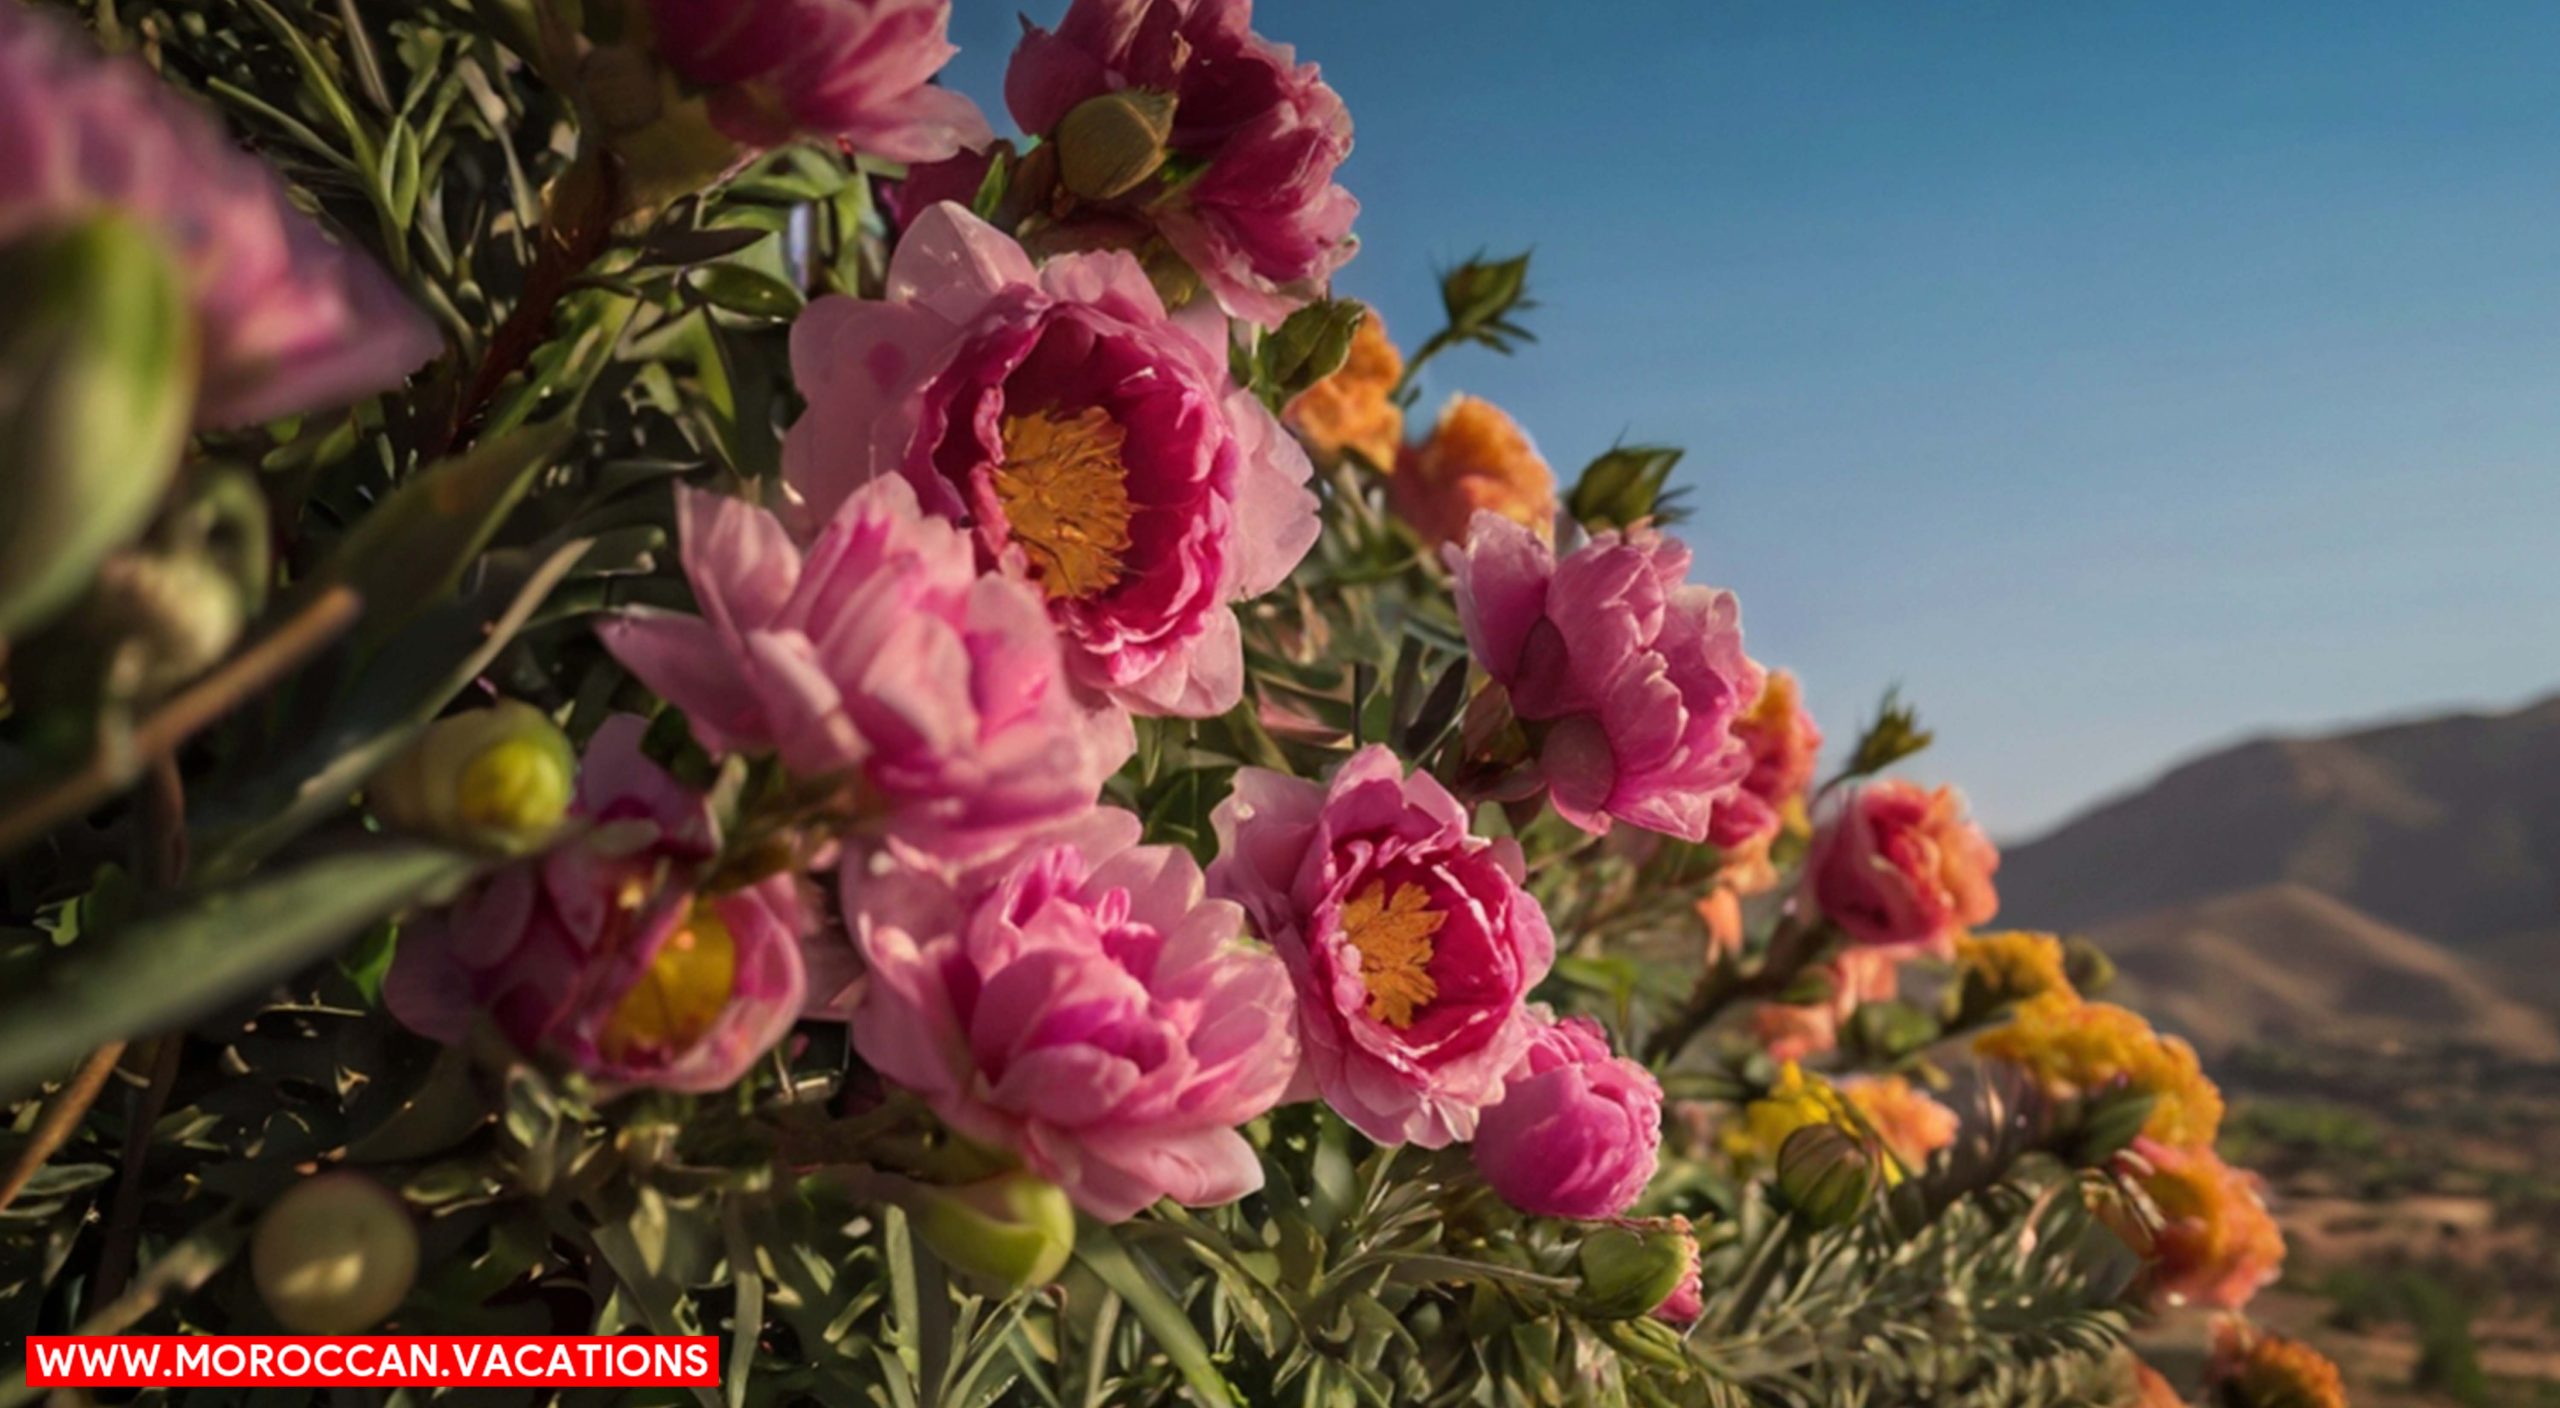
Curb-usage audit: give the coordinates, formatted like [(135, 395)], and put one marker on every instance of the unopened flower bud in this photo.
[(97, 385), (1015, 1229), (1109, 145), (1627, 1271), (335, 1255), (500, 778), (1826, 1174), (2090, 970)]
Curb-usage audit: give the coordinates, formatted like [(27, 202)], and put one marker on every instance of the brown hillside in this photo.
[(2285, 962), (2446, 828)]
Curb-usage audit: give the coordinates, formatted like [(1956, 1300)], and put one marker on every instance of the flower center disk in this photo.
[(1393, 934), (688, 983), (1065, 494)]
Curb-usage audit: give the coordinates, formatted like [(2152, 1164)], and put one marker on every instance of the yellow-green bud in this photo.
[(335, 1255), (1110, 145), (97, 385), (2087, 966), (1626, 1272), (1826, 1174), (1014, 1229), (499, 778)]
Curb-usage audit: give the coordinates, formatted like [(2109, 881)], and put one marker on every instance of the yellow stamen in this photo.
[(1393, 935), (688, 984), (1065, 494)]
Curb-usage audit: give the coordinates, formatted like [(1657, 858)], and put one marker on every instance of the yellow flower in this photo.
[(1476, 458), (1797, 1101), (1354, 409), (2255, 1369), (2016, 964), (2072, 1047)]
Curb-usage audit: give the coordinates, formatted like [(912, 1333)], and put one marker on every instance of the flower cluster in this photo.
[(891, 700)]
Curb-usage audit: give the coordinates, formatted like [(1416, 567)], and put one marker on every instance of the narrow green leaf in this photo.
[(1098, 1247)]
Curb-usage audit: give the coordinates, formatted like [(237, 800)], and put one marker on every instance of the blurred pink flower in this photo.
[(1578, 1128), (1900, 867), (1091, 444), (860, 71), (1784, 744), (881, 652), (289, 321), (1629, 678), (2215, 1243), (603, 953), (1258, 134), (1411, 940), (1081, 1003), (1910, 1123)]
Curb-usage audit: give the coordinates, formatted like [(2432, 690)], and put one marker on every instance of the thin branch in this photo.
[(30, 815)]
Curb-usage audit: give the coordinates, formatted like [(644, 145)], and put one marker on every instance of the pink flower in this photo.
[(1629, 678), (880, 653), (1089, 442), (1687, 1302), (604, 953), (1784, 745), (1257, 134), (2214, 1242), (1081, 1004), (1900, 867), (289, 321), (1411, 940), (1578, 1127), (860, 71)]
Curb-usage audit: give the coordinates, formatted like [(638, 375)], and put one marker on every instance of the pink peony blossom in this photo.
[(1578, 1128), (1629, 678), (604, 953), (1784, 745), (1090, 443), (1081, 1003), (1899, 867), (1259, 135), (1411, 940), (860, 71), (289, 321), (881, 653)]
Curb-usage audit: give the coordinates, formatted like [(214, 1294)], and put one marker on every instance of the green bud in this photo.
[(1623, 487), (1826, 1174), (1627, 1272), (97, 385), (1481, 297), (2090, 970), (499, 778), (335, 1255), (1015, 1229), (1110, 145)]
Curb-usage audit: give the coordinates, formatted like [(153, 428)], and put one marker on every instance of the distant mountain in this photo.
[(2445, 829), (2284, 962)]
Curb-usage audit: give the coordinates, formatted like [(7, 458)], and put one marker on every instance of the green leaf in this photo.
[(166, 970), (1099, 1249), (739, 289), (1311, 345), (410, 552)]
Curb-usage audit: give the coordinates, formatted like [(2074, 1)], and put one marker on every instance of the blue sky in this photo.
[(2119, 378)]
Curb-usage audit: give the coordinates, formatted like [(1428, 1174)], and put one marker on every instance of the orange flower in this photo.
[(1910, 1123), (1477, 458), (1354, 409), (2073, 1048), (2255, 1369), (2147, 1389), (2215, 1243)]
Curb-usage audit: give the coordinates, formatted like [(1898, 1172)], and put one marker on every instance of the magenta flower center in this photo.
[(1393, 933), (1065, 495)]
